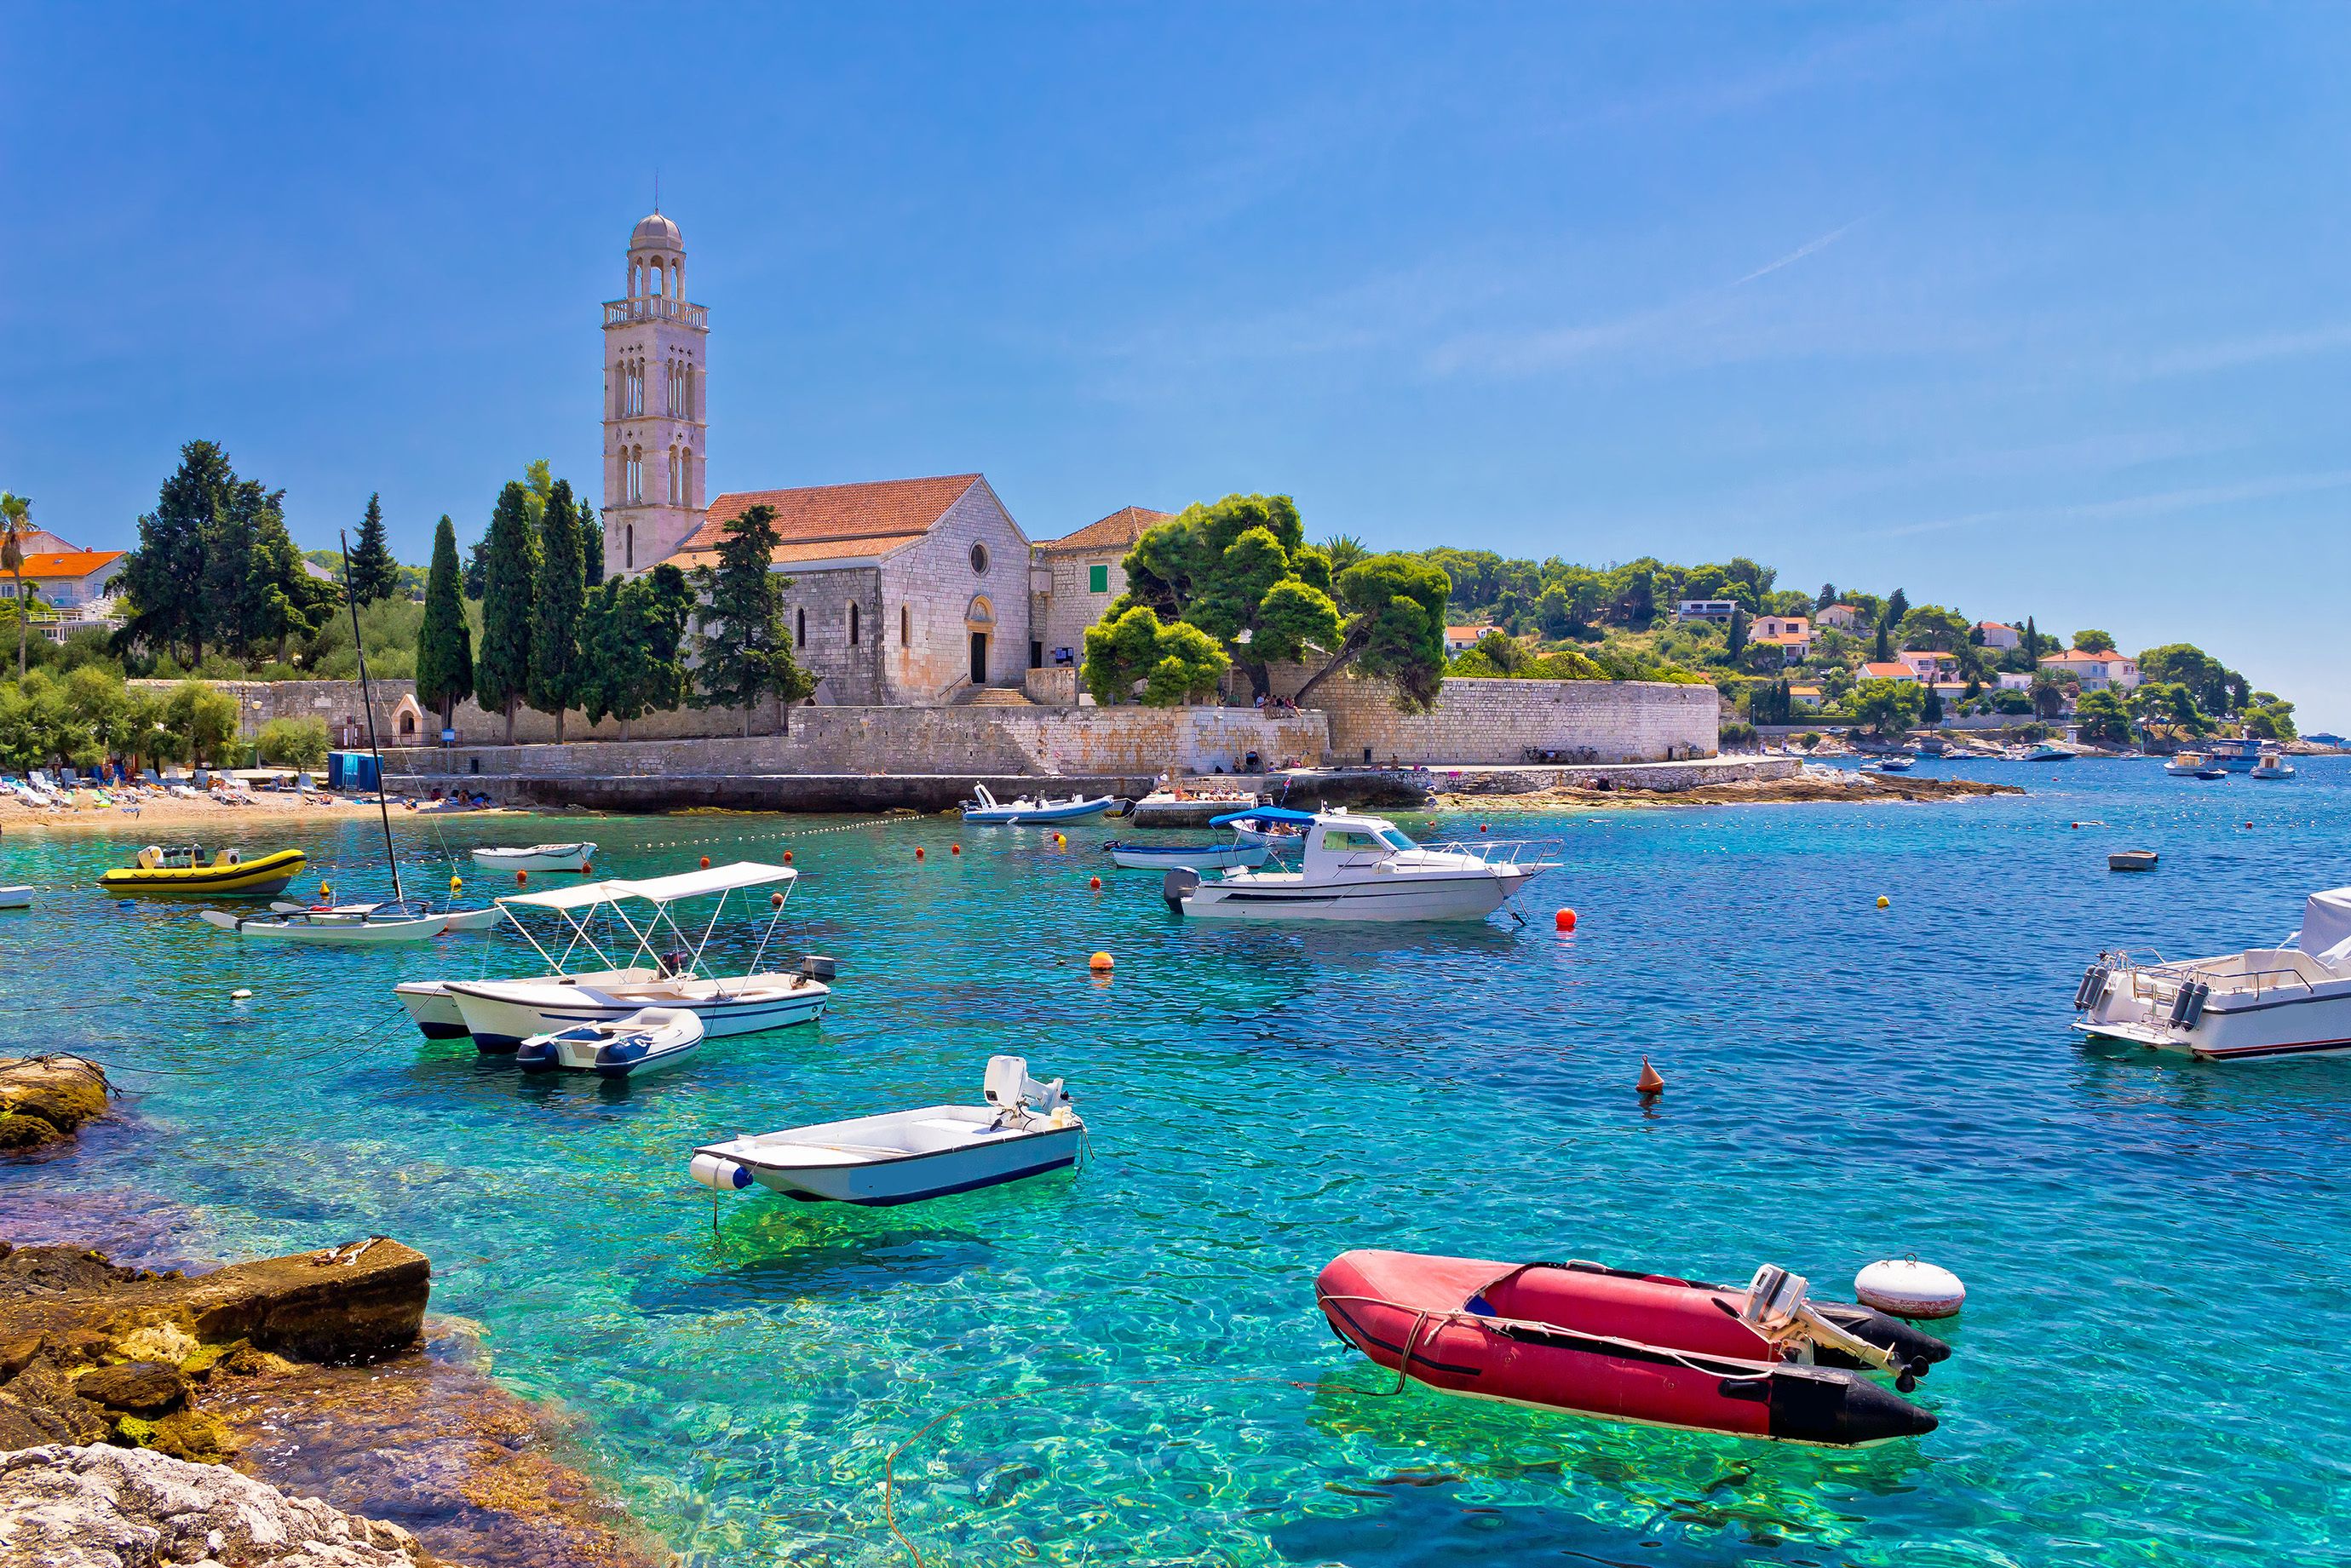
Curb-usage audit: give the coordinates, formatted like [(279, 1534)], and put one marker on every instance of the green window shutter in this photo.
[(1097, 579)]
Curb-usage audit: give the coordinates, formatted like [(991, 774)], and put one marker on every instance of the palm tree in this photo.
[(1344, 550), (13, 509)]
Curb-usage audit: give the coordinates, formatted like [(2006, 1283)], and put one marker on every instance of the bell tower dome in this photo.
[(654, 350)]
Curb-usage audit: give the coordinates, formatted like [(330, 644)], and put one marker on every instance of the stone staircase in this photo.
[(989, 696)]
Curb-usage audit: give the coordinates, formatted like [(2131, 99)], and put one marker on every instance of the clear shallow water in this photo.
[(2156, 1251)]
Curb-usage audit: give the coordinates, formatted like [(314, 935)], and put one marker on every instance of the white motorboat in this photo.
[(644, 1043), (1897, 763), (480, 919), (985, 807), (16, 897), (2050, 751), (578, 857), (435, 1011), (332, 930), (1026, 1129), (1199, 857), (2188, 765), (1363, 867), (2293, 999), (501, 1014), (2272, 765)]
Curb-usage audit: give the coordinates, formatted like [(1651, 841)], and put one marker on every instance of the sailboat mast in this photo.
[(367, 704)]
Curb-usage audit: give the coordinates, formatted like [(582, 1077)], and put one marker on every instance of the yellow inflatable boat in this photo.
[(182, 871)]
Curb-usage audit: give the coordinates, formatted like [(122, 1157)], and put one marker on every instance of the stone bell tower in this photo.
[(654, 347)]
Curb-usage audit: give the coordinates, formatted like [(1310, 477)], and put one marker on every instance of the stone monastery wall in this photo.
[(1495, 721)]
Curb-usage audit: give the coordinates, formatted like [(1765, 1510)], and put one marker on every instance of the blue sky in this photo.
[(2025, 309)]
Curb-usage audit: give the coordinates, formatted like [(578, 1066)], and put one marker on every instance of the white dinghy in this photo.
[(644, 1043), (985, 807), (18, 897), (578, 857), (333, 929), (1026, 1129), (501, 1014), (435, 1011)]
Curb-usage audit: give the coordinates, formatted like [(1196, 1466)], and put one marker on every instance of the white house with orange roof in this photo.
[(1461, 639), (1887, 670), (1999, 634), (1792, 634), (1929, 665), (2094, 671), (70, 588), (1843, 617)]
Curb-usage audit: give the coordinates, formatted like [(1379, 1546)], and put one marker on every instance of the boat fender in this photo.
[(718, 1175), (1177, 885), (2093, 988), (535, 1056), (1906, 1288), (2195, 1004)]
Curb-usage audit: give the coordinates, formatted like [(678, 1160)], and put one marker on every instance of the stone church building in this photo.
[(904, 591)]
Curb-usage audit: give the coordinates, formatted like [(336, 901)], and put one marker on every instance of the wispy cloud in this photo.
[(2149, 504), (1810, 247), (2257, 349)]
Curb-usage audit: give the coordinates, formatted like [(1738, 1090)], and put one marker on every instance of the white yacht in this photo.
[(501, 1014), (1363, 867), (2293, 999), (2273, 765), (2188, 764)]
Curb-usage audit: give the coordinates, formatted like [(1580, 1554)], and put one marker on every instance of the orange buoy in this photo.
[(955, 849), (325, 891), (788, 857), (521, 877), (918, 851), (705, 863), (1099, 962), (774, 901), (1094, 882), (1650, 1083), (587, 869), (1564, 920)]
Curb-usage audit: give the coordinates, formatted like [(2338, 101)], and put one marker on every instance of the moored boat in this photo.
[(2187, 764), (1363, 868), (985, 807), (182, 871), (435, 1011), (374, 929), (1655, 1350), (2293, 1000), (574, 857), (643, 1043), (1199, 857), (1024, 1129), (2273, 765), (17, 896)]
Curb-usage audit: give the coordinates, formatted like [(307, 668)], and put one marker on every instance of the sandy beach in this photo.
[(205, 816)]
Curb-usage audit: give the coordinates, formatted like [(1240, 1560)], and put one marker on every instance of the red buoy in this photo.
[(1481, 827), (705, 863), (1564, 920), (774, 901), (788, 857), (955, 849), (1649, 1082), (918, 851), (521, 877), (1094, 882)]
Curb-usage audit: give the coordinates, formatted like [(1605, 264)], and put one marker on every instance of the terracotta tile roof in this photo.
[(1893, 670), (1786, 638), (1117, 531), (79, 563), (859, 520)]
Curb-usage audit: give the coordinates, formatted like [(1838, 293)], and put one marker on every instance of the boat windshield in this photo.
[(1396, 840)]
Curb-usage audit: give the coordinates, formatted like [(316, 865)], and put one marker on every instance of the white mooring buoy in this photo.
[(240, 996), (1909, 1288)]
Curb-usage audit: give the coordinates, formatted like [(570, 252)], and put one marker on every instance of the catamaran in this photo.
[(501, 1014)]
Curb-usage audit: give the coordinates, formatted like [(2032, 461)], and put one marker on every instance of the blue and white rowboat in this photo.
[(987, 808), (1199, 857)]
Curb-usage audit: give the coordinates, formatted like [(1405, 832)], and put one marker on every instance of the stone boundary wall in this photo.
[(978, 741), (1495, 721), (332, 702)]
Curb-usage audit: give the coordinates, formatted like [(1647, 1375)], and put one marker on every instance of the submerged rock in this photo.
[(99, 1507), (46, 1098)]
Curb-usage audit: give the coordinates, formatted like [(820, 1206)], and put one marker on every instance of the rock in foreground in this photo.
[(44, 1099), (100, 1507)]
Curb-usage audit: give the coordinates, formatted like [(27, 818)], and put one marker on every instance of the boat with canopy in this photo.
[(660, 968)]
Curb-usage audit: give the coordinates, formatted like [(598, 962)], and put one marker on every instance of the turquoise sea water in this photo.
[(2156, 1251)]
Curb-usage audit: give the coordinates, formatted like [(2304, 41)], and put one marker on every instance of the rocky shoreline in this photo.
[(294, 1409), (1850, 789)]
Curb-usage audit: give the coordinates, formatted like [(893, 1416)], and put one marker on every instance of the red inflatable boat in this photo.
[(1623, 1346)]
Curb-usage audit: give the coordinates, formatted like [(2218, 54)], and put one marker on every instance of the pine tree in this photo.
[(372, 572), (510, 577), (445, 644), (591, 546), (556, 608), (162, 582), (745, 654)]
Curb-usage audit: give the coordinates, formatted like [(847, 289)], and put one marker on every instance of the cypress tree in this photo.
[(591, 546), (445, 644), (1735, 639), (163, 579), (745, 654), (372, 572), (510, 577), (1885, 643), (557, 609)]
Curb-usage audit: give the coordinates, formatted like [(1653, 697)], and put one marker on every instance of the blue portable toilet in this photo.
[(352, 772)]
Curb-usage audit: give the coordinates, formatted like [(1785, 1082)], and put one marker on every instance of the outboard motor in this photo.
[(817, 966), (1177, 885), (1009, 1087)]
